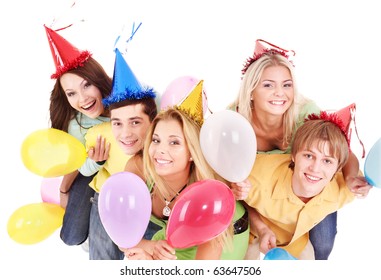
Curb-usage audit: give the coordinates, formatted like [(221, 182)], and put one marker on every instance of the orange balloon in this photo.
[(52, 153), (33, 223)]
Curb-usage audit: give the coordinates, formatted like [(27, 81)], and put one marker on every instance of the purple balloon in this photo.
[(125, 208)]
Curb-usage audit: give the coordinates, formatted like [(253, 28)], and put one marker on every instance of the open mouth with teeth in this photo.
[(311, 178), (276, 102), (128, 143), (89, 106)]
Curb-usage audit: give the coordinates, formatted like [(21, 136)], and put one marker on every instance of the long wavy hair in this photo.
[(199, 170), (243, 103), (61, 112)]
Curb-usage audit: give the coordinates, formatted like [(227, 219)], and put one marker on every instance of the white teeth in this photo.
[(312, 178), (277, 102), (131, 142), (162, 161), (88, 106)]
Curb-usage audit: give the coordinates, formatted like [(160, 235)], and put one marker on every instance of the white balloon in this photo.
[(229, 145)]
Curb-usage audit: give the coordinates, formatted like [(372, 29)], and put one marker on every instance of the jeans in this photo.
[(101, 247), (75, 225), (152, 228), (322, 236)]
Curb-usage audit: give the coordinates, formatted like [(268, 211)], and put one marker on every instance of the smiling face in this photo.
[(314, 169), (82, 96), (274, 93), (169, 151), (129, 125)]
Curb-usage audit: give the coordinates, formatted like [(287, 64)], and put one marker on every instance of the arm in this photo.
[(97, 155), (267, 238), (356, 183), (151, 249), (66, 183)]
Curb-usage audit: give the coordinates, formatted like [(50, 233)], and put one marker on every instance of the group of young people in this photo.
[(304, 170)]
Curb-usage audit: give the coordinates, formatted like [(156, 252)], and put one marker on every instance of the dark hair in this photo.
[(149, 104), (60, 109)]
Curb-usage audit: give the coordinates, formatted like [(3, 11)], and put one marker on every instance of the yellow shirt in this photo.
[(117, 158), (286, 215)]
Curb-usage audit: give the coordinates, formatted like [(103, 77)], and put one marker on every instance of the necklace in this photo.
[(166, 209)]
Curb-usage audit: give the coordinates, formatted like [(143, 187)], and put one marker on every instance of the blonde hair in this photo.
[(251, 80), (200, 169), (322, 132)]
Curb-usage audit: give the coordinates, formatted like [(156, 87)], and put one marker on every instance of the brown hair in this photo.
[(149, 104), (60, 109), (322, 132)]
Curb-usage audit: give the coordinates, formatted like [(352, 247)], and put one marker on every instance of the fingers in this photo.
[(241, 190), (101, 150), (162, 251)]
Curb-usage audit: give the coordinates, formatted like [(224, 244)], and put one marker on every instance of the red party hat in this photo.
[(262, 47), (65, 55), (344, 119)]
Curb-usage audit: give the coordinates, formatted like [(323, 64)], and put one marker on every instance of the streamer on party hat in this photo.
[(125, 85), (65, 55), (192, 104)]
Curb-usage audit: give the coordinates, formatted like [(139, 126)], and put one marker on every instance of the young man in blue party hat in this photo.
[(132, 108)]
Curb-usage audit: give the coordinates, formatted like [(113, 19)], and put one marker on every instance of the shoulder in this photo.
[(135, 165)]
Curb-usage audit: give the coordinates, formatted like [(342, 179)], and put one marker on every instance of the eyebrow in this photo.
[(81, 83), (170, 136), (130, 119)]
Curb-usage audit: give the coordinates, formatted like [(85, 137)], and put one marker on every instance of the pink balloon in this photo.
[(125, 208), (202, 211), (178, 89), (50, 190), (229, 144)]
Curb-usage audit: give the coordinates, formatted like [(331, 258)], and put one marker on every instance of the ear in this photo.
[(190, 159)]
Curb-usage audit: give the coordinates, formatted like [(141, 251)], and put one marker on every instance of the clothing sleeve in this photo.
[(89, 168)]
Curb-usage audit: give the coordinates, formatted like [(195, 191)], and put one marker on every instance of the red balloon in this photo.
[(202, 211)]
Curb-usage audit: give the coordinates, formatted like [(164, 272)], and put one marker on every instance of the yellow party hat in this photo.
[(192, 104)]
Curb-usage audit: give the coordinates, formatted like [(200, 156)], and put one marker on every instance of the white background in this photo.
[(337, 62)]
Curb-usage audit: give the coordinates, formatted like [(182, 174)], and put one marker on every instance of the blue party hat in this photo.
[(125, 84)]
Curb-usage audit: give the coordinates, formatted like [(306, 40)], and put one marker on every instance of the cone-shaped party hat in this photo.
[(262, 47), (344, 119), (125, 84), (65, 55), (192, 103)]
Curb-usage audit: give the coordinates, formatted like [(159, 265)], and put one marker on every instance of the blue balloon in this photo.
[(278, 254), (372, 170)]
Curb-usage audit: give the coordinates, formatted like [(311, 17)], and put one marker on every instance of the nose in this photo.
[(82, 96), (279, 91), (126, 131), (315, 166)]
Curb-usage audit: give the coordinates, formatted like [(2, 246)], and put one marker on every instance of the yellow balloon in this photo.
[(32, 223), (52, 153)]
